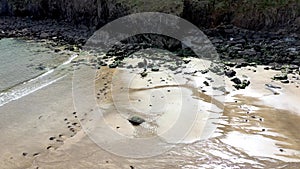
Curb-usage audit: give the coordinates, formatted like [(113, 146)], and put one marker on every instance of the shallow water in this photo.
[(27, 66)]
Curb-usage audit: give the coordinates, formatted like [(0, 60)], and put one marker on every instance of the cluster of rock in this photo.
[(61, 32), (254, 46), (231, 42), (236, 47)]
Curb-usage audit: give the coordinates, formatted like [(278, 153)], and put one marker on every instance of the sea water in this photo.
[(27, 66)]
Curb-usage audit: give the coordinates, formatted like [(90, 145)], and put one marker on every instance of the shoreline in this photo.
[(232, 43), (38, 67)]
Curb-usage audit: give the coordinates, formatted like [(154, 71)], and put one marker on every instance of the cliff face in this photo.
[(87, 12), (250, 14)]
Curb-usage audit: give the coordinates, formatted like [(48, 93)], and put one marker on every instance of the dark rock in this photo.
[(285, 81), (141, 65), (44, 35), (113, 65), (294, 67), (276, 67), (248, 52), (135, 120), (230, 73), (217, 70), (155, 69), (204, 71), (243, 64), (242, 85), (273, 86), (119, 58), (129, 67), (186, 61), (230, 64), (41, 67), (144, 74), (206, 83), (253, 64), (236, 80), (246, 82), (280, 77), (102, 63), (173, 68)]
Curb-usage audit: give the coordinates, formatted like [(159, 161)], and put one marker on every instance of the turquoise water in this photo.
[(27, 66)]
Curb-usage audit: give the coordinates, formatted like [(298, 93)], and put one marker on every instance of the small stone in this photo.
[(230, 64), (206, 83), (113, 65), (135, 120), (204, 71), (44, 35), (236, 80), (280, 77), (141, 65), (155, 69), (230, 73), (285, 81), (243, 64), (239, 86), (35, 154), (273, 86), (186, 61), (253, 64), (246, 82), (103, 64), (144, 74)]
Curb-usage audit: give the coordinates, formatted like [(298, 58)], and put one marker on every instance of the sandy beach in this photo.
[(257, 129)]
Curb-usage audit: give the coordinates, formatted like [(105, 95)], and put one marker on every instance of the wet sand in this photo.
[(251, 133)]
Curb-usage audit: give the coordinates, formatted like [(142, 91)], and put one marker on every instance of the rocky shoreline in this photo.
[(63, 33), (236, 47), (232, 43)]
